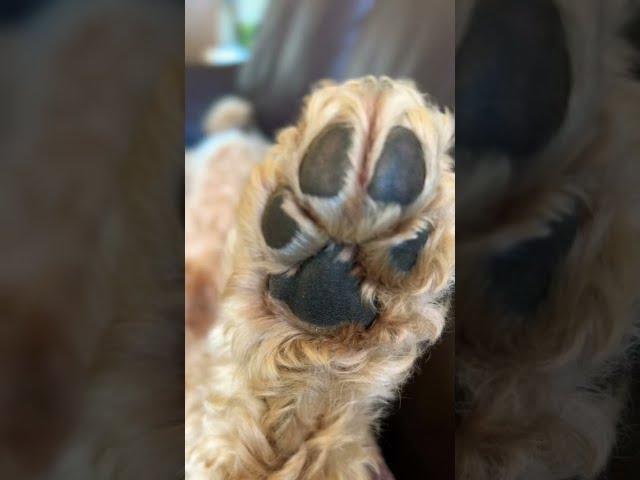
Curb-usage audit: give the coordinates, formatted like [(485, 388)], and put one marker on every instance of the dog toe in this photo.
[(405, 255), (278, 228), (324, 166), (400, 172)]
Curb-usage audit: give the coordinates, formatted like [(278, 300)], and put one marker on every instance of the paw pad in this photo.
[(326, 161), (405, 255), (278, 228), (323, 292), (400, 172)]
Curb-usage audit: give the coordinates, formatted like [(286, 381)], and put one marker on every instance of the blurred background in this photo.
[(272, 53)]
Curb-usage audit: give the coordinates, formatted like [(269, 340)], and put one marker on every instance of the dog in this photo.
[(340, 269)]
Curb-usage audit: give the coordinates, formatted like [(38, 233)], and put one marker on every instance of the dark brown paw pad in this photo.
[(326, 162), (404, 256), (400, 171), (323, 292), (278, 228)]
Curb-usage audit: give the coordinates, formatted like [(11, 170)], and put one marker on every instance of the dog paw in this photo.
[(355, 207)]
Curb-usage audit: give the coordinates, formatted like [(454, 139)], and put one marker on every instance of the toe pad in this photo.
[(278, 228), (405, 255), (400, 171), (325, 164)]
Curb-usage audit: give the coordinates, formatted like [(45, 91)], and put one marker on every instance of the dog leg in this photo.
[(342, 266)]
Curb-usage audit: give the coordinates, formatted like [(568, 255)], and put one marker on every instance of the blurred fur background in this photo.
[(91, 344), (546, 300)]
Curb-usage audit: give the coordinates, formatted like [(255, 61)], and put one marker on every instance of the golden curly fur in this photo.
[(269, 397), (216, 172)]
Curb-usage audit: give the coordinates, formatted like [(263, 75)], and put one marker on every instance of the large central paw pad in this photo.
[(358, 210), (323, 291)]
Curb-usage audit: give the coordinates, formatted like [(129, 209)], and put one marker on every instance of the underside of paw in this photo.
[(363, 208)]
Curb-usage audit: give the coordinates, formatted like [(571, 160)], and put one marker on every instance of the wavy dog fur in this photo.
[(270, 398)]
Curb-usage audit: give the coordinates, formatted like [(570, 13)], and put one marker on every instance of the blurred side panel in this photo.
[(547, 112), (91, 285)]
